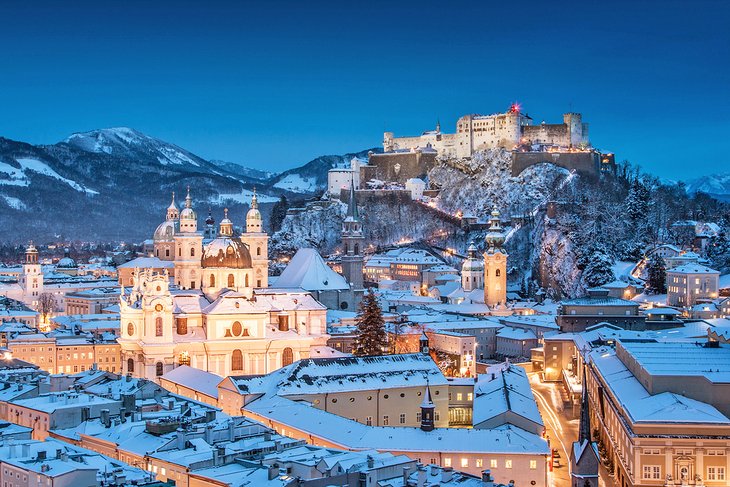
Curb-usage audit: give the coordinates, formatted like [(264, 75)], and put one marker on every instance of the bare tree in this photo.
[(46, 306)]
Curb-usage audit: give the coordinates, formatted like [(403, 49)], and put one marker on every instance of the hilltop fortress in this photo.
[(565, 144)]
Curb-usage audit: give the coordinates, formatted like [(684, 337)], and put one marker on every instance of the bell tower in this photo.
[(352, 244), (188, 248), (31, 279), (472, 271), (258, 243), (495, 264)]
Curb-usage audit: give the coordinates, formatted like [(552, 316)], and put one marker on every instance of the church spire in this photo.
[(172, 211), (427, 411), (188, 199), (352, 213)]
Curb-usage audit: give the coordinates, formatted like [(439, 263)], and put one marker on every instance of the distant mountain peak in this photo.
[(716, 185)]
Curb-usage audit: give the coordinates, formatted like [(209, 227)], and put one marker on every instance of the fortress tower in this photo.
[(495, 264)]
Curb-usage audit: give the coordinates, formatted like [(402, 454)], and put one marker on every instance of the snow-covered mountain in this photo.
[(114, 184), (245, 171), (311, 178), (715, 185)]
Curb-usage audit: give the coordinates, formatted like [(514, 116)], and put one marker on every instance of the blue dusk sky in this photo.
[(274, 84)]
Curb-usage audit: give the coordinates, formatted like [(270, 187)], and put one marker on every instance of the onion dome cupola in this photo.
[(226, 228), (495, 236), (254, 222), (188, 218), (172, 212), (31, 254)]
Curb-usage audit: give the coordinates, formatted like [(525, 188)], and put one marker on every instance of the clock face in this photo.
[(158, 307)]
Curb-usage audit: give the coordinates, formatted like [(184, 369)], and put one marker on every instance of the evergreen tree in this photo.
[(278, 213), (371, 337), (637, 202), (598, 270), (656, 275)]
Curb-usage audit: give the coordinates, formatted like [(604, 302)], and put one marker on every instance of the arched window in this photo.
[(497, 273), (182, 326), (167, 252), (157, 251), (130, 329), (287, 357), (246, 280), (357, 249), (158, 369), (158, 326), (237, 360), (231, 281), (192, 252), (258, 250), (212, 280), (184, 358), (130, 365)]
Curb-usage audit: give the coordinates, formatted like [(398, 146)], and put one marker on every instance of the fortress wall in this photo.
[(586, 163)]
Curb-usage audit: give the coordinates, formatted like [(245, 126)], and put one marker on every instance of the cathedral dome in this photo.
[(227, 252), (165, 231), (66, 263)]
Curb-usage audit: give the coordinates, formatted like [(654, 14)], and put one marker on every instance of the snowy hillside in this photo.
[(311, 178), (114, 184)]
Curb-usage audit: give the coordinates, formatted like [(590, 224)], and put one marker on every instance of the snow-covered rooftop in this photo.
[(307, 270)]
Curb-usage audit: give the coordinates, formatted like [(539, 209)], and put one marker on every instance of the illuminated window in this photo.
[(508, 464), (447, 462), (493, 463), (464, 463), (184, 358), (533, 464), (237, 360)]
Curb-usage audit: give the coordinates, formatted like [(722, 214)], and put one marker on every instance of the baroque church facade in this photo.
[(219, 315)]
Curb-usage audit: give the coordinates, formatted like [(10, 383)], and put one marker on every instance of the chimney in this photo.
[(105, 418), (58, 453), (171, 404), (421, 478), (26, 450), (273, 471), (122, 415), (446, 474), (180, 439), (128, 378), (231, 430), (406, 474), (487, 479), (371, 461), (85, 414), (209, 433), (209, 415)]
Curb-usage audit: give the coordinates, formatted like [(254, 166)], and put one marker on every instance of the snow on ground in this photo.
[(243, 197), (297, 184), (14, 202), (15, 176), (622, 269), (42, 168), (657, 299)]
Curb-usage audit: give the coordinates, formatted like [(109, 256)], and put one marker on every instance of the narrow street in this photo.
[(561, 428)]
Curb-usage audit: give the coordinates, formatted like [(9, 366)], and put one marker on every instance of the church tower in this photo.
[(352, 243), (164, 237), (258, 243), (188, 247), (427, 411), (495, 264), (31, 279), (209, 231), (472, 271)]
